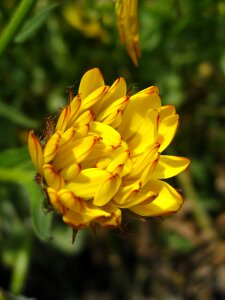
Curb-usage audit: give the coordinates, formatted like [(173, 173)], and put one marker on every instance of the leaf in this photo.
[(32, 25), (16, 166), (14, 157), (41, 220), (63, 239), (17, 117)]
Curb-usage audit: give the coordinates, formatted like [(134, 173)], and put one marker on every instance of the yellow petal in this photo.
[(89, 214), (116, 121), (71, 171), (147, 173), (167, 130), (69, 200), (139, 198), (75, 152), (75, 220), (127, 191), (120, 159), (86, 184), (82, 131), (116, 91), (93, 98), (52, 177), (63, 119), (84, 119), (52, 147), (169, 166), (54, 199), (167, 110), (36, 152), (146, 134), (136, 109), (109, 135), (113, 221), (107, 190), (90, 81), (67, 137), (167, 202), (74, 110), (118, 104), (140, 162), (128, 27)]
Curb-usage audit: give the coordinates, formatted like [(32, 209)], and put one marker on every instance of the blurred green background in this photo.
[(183, 53)]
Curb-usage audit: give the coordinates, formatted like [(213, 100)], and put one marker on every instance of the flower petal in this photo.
[(169, 166), (86, 184), (52, 147), (89, 214), (146, 134), (107, 190), (136, 109), (74, 152), (167, 110), (93, 97), (52, 177), (90, 81), (36, 152), (71, 171), (54, 200), (69, 200), (125, 192), (108, 134), (63, 119), (167, 130), (118, 104), (167, 202), (141, 161), (84, 119), (74, 110), (116, 91)]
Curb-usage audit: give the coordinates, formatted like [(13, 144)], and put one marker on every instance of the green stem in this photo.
[(15, 23)]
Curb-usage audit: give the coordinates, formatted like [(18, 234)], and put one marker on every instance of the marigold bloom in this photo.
[(103, 155)]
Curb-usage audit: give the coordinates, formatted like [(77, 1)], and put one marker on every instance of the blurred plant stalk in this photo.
[(15, 24), (201, 217)]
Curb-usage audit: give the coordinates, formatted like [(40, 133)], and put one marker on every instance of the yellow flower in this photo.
[(103, 155), (126, 11)]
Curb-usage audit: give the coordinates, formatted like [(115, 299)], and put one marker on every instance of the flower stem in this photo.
[(15, 23)]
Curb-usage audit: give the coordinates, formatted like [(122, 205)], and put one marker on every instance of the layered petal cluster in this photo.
[(103, 155)]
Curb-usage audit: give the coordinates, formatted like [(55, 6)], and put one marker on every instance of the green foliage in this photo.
[(41, 219), (31, 26)]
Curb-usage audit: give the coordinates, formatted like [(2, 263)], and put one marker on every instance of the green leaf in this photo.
[(41, 220), (63, 236), (32, 25), (17, 117), (16, 166), (14, 157)]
